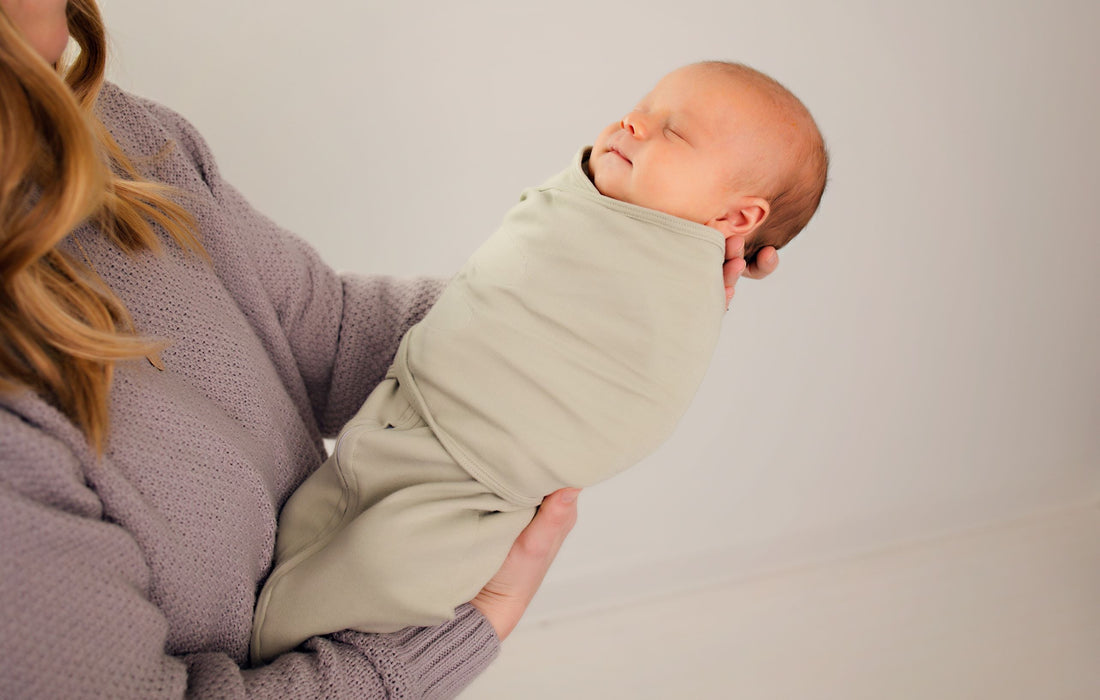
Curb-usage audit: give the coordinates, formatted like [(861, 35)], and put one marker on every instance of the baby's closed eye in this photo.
[(674, 134)]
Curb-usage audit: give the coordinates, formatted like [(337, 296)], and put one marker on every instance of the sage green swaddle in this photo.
[(564, 351)]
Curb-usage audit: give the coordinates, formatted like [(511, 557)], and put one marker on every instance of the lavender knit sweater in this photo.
[(135, 575)]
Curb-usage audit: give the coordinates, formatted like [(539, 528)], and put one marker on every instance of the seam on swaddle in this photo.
[(409, 418), (667, 222), (468, 462), (349, 493)]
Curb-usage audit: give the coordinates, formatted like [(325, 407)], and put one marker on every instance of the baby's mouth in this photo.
[(619, 153)]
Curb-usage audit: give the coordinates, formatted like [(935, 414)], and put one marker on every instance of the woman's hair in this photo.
[(61, 328)]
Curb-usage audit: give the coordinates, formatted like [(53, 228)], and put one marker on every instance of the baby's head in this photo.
[(722, 145)]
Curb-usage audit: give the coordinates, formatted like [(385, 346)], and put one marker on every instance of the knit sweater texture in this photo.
[(134, 574)]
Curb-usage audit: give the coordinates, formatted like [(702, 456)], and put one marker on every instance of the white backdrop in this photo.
[(925, 359)]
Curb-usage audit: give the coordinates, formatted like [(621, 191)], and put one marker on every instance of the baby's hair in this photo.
[(798, 193)]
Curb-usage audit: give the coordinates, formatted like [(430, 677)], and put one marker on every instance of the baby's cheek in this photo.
[(608, 182)]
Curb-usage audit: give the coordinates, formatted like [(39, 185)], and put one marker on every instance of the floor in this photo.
[(1008, 612)]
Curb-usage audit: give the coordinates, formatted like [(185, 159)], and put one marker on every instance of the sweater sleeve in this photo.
[(343, 329), (79, 618)]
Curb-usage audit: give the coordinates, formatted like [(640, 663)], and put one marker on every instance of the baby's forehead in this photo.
[(741, 82), (777, 109)]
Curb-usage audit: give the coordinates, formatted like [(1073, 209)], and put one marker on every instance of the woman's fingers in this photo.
[(766, 262), (731, 272), (505, 598), (548, 529), (767, 259)]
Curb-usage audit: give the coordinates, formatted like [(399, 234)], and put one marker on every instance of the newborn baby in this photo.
[(564, 351)]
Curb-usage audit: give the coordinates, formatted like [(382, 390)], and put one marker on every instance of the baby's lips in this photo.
[(615, 149)]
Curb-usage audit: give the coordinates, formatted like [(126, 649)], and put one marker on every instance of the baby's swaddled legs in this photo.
[(388, 533)]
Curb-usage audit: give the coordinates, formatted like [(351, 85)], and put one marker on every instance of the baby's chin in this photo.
[(607, 189), (602, 178)]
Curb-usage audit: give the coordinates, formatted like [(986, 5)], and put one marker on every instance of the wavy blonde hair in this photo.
[(61, 328)]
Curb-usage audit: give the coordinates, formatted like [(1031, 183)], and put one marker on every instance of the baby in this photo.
[(564, 351)]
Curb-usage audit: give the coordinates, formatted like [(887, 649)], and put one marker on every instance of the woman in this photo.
[(170, 362)]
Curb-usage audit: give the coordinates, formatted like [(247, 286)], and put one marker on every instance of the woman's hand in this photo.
[(767, 259), (506, 596)]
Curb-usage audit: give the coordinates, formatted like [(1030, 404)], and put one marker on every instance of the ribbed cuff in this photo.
[(434, 663)]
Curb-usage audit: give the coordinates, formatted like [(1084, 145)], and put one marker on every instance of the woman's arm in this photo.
[(80, 614)]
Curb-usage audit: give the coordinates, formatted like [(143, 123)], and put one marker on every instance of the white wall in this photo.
[(925, 360)]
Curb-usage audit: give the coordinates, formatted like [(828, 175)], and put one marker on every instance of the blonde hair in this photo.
[(61, 328), (798, 192)]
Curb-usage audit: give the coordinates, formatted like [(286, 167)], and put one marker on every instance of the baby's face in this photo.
[(687, 147)]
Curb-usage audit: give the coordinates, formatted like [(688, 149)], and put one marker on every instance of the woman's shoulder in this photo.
[(121, 108), (146, 129)]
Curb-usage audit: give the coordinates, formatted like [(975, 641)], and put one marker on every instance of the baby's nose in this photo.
[(635, 124)]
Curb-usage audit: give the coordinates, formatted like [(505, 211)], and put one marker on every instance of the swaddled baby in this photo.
[(565, 350)]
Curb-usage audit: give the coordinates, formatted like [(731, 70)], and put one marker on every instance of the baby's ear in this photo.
[(743, 218)]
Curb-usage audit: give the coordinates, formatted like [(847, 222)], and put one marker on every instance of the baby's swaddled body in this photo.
[(564, 351)]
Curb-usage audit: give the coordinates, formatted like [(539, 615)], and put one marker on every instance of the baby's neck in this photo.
[(588, 171)]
